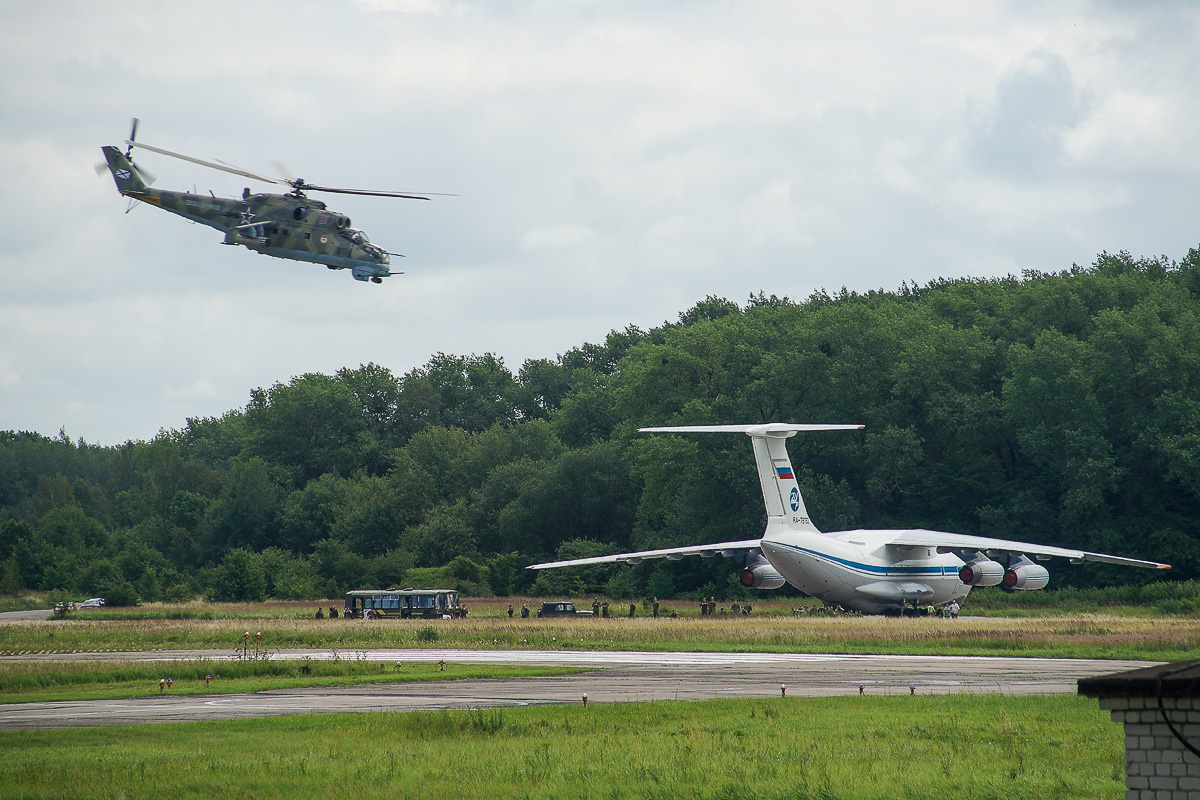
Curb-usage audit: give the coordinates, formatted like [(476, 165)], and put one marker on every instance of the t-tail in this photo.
[(129, 180), (781, 493)]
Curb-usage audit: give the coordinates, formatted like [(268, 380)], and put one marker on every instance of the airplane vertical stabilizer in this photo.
[(781, 494)]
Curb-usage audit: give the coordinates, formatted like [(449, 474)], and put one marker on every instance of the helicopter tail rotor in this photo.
[(146, 176), (132, 137)]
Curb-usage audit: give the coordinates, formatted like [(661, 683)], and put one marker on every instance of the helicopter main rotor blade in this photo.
[(309, 187), (408, 195), (203, 163), (283, 170)]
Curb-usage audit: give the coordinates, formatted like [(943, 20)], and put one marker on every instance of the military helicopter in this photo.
[(288, 225)]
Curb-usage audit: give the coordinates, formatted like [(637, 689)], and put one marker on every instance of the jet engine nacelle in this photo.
[(762, 576), (1027, 576), (982, 573)]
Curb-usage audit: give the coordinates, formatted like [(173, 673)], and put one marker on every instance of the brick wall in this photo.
[(1157, 766)]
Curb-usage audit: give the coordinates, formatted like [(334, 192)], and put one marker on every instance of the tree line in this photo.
[(1061, 408)]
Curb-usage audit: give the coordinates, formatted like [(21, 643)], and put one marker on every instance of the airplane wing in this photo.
[(670, 553), (947, 542)]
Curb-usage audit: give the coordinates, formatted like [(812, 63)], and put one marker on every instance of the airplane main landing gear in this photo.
[(377, 279)]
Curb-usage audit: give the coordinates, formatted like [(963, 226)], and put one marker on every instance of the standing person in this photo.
[(632, 609), (703, 606), (954, 609), (510, 610), (524, 611), (604, 608), (595, 606), (654, 608)]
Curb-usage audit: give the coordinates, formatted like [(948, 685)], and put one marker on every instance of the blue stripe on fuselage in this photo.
[(870, 569)]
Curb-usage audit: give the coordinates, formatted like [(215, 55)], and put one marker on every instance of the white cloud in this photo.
[(616, 163), (569, 235)]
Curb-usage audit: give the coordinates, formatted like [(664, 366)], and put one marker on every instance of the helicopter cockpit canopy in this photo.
[(360, 238)]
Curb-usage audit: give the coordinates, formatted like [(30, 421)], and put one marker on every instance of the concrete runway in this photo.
[(619, 677)]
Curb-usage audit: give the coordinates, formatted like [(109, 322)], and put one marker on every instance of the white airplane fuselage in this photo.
[(857, 570)]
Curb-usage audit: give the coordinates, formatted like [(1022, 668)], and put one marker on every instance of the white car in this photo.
[(95, 602)]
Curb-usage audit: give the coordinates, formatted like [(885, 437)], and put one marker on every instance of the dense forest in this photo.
[(1058, 408)]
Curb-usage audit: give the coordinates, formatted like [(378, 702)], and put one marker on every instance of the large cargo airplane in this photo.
[(873, 571)]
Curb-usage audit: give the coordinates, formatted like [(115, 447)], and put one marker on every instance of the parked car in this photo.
[(95, 602), (558, 608)]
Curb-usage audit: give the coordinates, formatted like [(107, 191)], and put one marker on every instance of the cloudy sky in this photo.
[(615, 161)]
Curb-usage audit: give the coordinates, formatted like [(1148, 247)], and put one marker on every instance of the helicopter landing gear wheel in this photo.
[(377, 279)]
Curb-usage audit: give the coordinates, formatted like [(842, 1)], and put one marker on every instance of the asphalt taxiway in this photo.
[(618, 677)]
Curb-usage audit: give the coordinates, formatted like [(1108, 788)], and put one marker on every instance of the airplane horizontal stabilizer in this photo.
[(773, 429)]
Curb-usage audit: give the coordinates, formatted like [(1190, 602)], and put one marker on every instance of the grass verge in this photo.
[(49, 681), (1156, 638), (843, 748)]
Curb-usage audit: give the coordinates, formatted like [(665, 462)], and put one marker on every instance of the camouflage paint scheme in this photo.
[(282, 225)]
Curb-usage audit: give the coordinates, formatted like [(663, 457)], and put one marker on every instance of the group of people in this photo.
[(708, 607), (600, 609), (947, 611)]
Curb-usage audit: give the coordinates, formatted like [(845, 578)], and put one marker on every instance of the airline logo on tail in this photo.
[(794, 499)]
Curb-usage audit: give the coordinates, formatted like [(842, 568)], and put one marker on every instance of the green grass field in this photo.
[(962, 746), (771, 628)]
